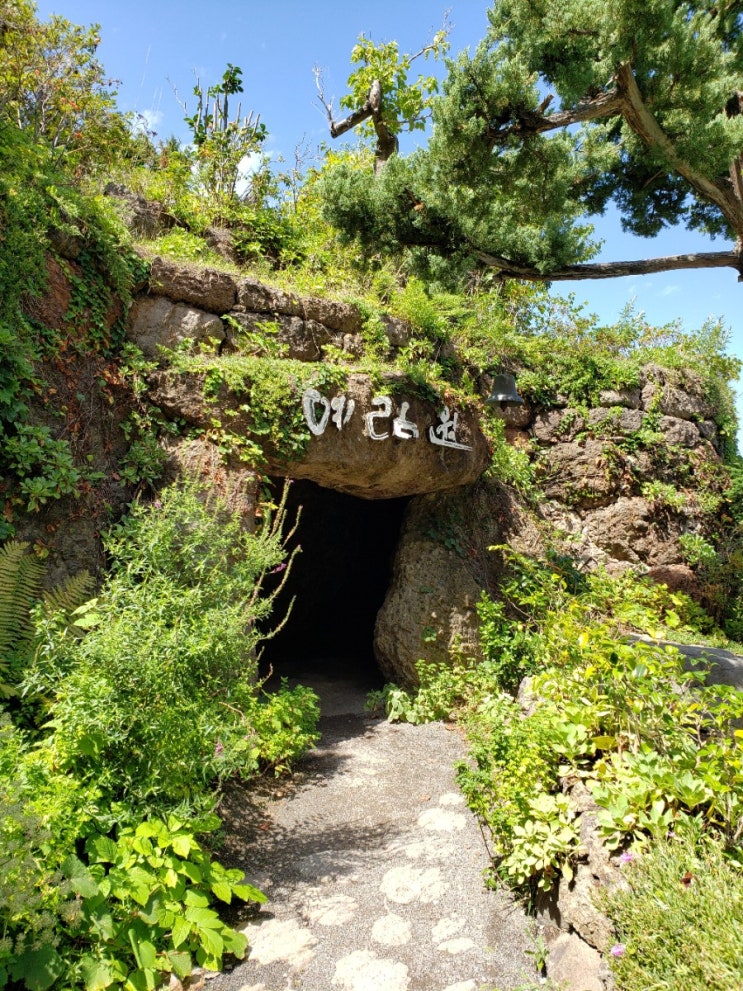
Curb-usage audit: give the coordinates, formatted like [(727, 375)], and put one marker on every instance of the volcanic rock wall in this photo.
[(379, 437)]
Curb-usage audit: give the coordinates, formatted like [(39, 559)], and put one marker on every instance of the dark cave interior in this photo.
[(338, 580)]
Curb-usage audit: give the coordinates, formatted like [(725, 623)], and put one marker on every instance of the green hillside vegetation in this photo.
[(111, 763)]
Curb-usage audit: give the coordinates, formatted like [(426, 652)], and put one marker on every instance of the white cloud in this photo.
[(247, 168), (669, 290), (148, 121)]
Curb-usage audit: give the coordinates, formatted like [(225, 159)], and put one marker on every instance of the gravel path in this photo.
[(373, 866)]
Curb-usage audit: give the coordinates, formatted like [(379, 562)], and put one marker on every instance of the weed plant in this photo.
[(654, 746), (680, 924), (136, 706)]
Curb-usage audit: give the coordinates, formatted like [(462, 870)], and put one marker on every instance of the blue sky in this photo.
[(157, 46)]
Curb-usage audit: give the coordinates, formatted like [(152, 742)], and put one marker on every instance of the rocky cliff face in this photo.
[(618, 484)]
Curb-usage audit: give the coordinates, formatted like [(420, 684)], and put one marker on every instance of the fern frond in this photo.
[(20, 584), (69, 594)]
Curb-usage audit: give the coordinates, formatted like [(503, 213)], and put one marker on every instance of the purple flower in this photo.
[(617, 950), (218, 748), (278, 568), (627, 857), (157, 504)]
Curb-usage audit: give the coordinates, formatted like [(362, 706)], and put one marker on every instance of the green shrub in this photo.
[(653, 745), (144, 700), (442, 690), (179, 243), (125, 914), (159, 699), (511, 650)]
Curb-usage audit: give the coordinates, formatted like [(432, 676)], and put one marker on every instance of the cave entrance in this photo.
[(338, 581)]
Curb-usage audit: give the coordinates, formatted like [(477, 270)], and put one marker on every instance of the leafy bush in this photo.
[(179, 243), (124, 914), (142, 700), (142, 911), (159, 699), (442, 690), (53, 87), (653, 745)]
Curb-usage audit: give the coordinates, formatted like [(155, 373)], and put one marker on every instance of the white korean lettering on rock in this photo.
[(383, 411), (310, 401), (339, 418), (319, 411), (403, 427), (445, 433)]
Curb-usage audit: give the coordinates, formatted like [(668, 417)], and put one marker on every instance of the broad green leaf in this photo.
[(208, 823), (144, 952), (196, 898), (39, 969), (171, 878), (204, 918), (140, 980), (181, 931), (102, 850), (604, 742), (79, 876), (181, 963), (212, 942), (235, 942), (151, 827), (248, 893), (223, 891), (152, 911), (192, 871), (96, 974), (182, 845), (143, 845), (99, 917), (207, 960)]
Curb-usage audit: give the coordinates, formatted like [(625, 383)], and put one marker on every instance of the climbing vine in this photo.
[(38, 210), (269, 412)]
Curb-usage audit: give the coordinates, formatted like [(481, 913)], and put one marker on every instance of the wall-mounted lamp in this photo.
[(504, 392)]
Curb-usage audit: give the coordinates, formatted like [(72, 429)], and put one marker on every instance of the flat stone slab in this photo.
[(726, 668), (374, 870)]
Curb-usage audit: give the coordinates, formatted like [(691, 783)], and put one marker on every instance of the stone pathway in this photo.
[(374, 868)]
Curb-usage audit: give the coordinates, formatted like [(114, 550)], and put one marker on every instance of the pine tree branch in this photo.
[(612, 270), (526, 123), (647, 128)]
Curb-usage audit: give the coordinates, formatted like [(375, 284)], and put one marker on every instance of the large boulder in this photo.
[(232, 483), (580, 473), (383, 442), (145, 218), (156, 322), (367, 440), (442, 565), (210, 290)]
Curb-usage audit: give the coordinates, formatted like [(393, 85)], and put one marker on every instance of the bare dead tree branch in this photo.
[(530, 122), (327, 107)]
